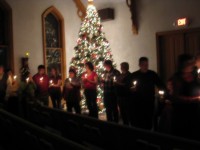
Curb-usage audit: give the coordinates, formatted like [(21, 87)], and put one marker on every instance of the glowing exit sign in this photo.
[(182, 22)]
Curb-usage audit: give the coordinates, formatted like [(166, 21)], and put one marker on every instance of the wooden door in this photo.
[(170, 46), (173, 43), (192, 43)]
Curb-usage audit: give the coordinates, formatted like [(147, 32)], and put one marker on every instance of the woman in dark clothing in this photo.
[(71, 92), (55, 83)]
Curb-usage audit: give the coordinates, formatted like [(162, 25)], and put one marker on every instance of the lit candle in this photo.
[(114, 79), (41, 79), (27, 80), (27, 54), (198, 71), (15, 77), (51, 82), (161, 93), (70, 80), (134, 84), (86, 75)]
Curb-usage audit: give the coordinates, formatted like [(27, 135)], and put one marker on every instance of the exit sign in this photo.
[(182, 22)]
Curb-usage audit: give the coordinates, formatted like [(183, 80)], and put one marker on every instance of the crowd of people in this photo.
[(129, 96)]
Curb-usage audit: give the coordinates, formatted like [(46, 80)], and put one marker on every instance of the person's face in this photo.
[(71, 75), (1, 70), (197, 63), (53, 72), (187, 73), (144, 66), (107, 67), (123, 70), (87, 68), (41, 71), (10, 73)]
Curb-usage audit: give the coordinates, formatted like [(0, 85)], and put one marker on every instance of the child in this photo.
[(71, 92)]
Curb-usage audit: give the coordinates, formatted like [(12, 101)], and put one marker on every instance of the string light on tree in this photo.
[(92, 46)]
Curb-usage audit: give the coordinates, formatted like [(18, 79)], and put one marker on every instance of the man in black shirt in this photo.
[(143, 101)]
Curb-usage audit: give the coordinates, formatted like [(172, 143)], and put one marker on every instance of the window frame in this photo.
[(61, 37)]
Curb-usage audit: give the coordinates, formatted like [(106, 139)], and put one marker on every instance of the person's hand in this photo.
[(167, 102), (13, 82), (70, 86), (133, 89)]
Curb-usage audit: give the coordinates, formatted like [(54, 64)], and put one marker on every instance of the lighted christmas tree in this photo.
[(92, 46)]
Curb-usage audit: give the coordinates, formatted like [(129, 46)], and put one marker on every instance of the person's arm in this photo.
[(59, 83), (95, 80), (64, 90), (158, 82), (9, 84), (76, 83)]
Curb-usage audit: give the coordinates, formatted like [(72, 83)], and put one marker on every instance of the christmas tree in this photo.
[(92, 46)]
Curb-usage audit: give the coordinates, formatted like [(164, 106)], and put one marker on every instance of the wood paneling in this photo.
[(7, 44), (171, 44)]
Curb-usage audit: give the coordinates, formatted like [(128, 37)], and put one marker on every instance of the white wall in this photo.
[(27, 28), (154, 16)]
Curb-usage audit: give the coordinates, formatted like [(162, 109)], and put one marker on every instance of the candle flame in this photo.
[(161, 92), (15, 77), (114, 78), (27, 79), (41, 79), (134, 82), (27, 54), (198, 71)]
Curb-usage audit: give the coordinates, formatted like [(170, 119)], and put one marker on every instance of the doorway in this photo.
[(170, 44), (6, 39)]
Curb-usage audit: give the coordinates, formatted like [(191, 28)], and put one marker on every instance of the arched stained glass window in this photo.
[(53, 38)]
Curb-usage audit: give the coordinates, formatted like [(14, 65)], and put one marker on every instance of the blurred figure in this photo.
[(12, 99), (71, 92), (27, 90), (123, 85), (185, 117), (42, 83), (110, 97), (197, 61), (90, 80), (143, 101), (3, 84), (55, 88)]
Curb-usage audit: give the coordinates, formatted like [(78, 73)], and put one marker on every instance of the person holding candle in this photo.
[(26, 93), (12, 100), (143, 96), (90, 80), (71, 92), (42, 83), (123, 85), (110, 96), (3, 84), (55, 83), (186, 95)]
